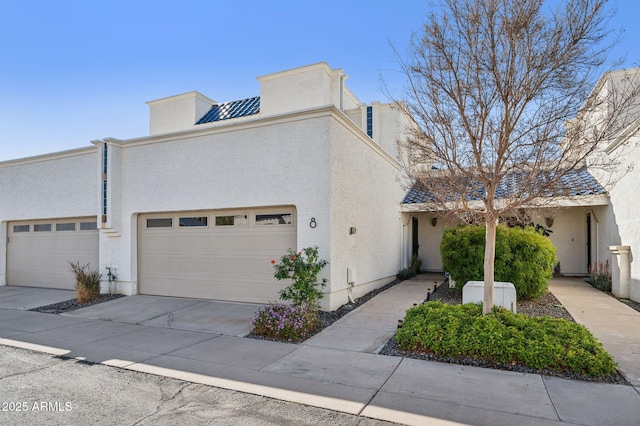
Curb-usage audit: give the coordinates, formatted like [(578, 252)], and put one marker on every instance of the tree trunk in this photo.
[(489, 257)]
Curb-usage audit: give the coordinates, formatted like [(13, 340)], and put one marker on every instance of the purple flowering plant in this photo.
[(286, 322)]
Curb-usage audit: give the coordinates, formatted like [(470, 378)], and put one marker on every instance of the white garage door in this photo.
[(223, 255), (38, 251)]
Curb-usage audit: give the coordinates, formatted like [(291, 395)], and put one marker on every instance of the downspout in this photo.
[(349, 286), (351, 282)]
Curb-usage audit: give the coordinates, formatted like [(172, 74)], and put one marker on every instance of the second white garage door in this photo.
[(223, 255), (39, 252)]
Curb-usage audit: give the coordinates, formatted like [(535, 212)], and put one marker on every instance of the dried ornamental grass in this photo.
[(87, 282)]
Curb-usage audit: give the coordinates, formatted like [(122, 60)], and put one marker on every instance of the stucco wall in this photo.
[(365, 194), (569, 236), (175, 113), (301, 88), (267, 163), (620, 222), (318, 162)]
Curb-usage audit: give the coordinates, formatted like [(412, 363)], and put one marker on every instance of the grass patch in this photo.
[(539, 343)]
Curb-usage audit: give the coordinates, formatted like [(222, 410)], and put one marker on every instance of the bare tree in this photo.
[(500, 95)]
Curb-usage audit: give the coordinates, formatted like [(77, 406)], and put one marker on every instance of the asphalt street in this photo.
[(37, 388)]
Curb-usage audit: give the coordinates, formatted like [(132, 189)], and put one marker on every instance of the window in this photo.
[(232, 220), (194, 221), (42, 227), (273, 219), (160, 223), (65, 226), (88, 226), (20, 228)]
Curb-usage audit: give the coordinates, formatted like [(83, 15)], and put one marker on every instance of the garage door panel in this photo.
[(213, 262), (250, 291), (40, 259)]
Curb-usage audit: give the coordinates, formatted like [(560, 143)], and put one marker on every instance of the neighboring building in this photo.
[(201, 206), (601, 214)]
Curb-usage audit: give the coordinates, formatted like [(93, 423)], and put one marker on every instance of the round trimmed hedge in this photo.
[(524, 257)]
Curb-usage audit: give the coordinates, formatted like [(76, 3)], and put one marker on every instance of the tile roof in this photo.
[(234, 109), (576, 183)]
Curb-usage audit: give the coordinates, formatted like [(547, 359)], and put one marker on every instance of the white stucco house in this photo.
[(201, 206)]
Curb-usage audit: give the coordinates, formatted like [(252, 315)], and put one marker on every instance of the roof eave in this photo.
[(555, 202)]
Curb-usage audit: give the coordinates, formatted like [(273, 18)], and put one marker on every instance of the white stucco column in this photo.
[(620, 276)]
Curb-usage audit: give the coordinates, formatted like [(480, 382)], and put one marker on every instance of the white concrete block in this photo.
[(504, 294)]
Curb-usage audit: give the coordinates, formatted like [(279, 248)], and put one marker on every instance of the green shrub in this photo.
[(523, 257), (87, 282), (600, 276), (302, 268), (455, 331), (285, 322)]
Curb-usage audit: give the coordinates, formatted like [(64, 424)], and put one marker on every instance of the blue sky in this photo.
[(73, 71)]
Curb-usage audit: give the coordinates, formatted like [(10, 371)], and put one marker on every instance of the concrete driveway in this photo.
[(171, 312), (25, 298)]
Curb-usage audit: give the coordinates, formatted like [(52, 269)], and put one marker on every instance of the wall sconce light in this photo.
[(352, 230), (434, 221), (548, 221)]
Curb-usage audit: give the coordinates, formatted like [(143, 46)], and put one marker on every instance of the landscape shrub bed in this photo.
[(298, 320), (458, 331)]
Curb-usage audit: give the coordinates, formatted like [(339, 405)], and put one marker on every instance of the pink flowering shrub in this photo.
[(285, 322)]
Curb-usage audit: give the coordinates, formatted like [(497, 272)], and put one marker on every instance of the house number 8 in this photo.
[(313, 223)]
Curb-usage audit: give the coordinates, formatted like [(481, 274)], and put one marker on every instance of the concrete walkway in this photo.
[(615, 324), (338, 369)]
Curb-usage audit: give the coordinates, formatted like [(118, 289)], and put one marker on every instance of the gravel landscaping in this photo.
[(547, 304), (629, 303), (72, 305)]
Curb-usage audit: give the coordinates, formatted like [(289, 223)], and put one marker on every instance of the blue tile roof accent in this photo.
[(234, 109), (578, 182)]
